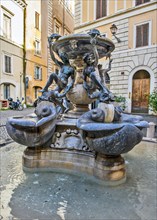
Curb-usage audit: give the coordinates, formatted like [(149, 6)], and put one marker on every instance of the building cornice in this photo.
[(8, 11), (151, 6), (62, 2), (10, 42), (21, 3), (135, 49)]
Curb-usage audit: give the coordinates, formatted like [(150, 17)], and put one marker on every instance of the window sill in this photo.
[(142, 47), (10, 74), (37, 79), (101, 17), (142, 4), (38, 55)]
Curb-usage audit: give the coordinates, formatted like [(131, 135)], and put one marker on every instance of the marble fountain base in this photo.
[(69, 153)]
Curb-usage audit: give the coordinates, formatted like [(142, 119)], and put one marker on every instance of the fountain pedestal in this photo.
[(110, 168), (70, 153)]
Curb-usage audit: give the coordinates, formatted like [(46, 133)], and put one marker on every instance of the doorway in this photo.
[(140, 91)]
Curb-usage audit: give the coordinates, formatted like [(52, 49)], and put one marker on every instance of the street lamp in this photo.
[(114, 29)]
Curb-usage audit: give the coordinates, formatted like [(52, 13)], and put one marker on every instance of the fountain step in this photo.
[(109, 169)]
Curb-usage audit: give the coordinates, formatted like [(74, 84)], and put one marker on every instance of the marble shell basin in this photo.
[(33, 130), (111, 138)]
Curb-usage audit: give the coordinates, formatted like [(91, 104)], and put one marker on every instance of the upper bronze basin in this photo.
[(79, 44)]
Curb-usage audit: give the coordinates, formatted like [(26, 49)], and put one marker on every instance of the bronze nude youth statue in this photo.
[(91, 60), (66, 71)]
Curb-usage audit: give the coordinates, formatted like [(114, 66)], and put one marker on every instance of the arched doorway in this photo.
[(140, 91)]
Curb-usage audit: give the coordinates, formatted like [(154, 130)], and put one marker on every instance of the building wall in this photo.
[(127, 59), (16, 77), (13, 47), (59, 14), (63, 16), (32, 58), (16, 11), (50, 13), (85, 10)]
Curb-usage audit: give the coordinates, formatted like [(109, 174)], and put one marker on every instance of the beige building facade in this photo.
[(42, 19), (35, 49), (11, 50), (134, 66), (60, 21)]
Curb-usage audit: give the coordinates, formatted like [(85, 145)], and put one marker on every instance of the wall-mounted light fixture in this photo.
[(114, 29)]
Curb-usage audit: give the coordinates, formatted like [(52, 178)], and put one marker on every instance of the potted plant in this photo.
[(153, 101), (121, 101)]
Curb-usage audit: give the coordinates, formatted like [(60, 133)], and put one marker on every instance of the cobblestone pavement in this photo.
[(4, 114), (62, 196)]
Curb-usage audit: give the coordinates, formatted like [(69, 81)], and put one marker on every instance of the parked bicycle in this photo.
[(15, 105)]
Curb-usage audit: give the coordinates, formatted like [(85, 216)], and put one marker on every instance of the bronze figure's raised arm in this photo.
[(103, 72), (91, 60), (61, 79)]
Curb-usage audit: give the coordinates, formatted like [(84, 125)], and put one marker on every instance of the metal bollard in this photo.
[(151, 130)]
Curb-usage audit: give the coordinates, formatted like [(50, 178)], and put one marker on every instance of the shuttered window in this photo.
[(7, 26), (36, 91), (6, 91), (142, 35), (38, 73), (37, 20), (101, 8), (139, 2), (7, 64), (37, 47)]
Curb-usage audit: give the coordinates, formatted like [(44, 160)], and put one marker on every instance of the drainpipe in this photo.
[(63, 15), (24, 54)]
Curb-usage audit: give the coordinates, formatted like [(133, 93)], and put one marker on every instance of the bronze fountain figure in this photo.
[(64, 133)]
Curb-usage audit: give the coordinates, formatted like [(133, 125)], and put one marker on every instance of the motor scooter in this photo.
[(15, 105)]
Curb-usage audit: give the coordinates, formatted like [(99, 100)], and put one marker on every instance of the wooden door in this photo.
[(140, 94)]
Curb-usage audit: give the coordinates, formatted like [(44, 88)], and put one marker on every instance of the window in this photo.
[(7, 64), (139, 2), (7, 26), (37, 47), (38, 73), (101, 8), (142, 35), (37, 20), (57, 29), (6, 91), (36, 90)]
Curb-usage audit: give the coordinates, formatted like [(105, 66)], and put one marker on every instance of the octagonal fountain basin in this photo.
[(36, 129)]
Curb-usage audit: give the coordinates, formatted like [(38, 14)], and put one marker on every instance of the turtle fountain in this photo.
[(64, 133)]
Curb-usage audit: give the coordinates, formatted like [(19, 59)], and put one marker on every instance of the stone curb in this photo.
[(150, 139)]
